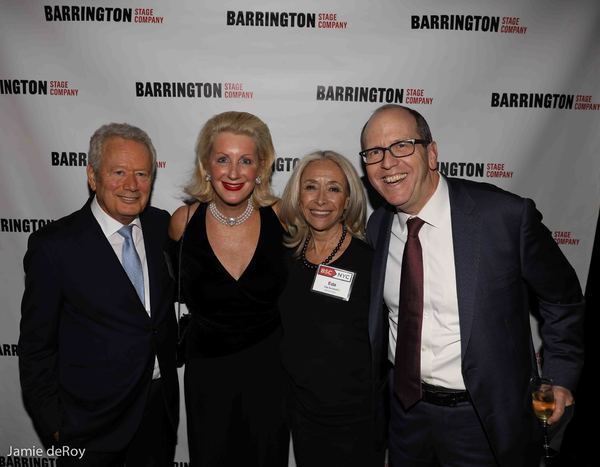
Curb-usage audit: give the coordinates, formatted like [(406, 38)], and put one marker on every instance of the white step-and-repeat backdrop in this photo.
[(511, 90)]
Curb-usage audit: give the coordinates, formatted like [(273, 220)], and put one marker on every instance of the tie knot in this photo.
[(414, 224), (126, 231)]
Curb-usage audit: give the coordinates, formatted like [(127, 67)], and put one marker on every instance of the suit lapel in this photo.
[(96, 245), (466, 237), (378, 276), (101, 256)]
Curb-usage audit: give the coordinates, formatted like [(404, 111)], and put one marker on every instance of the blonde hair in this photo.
[(355, 214), (239, 123)]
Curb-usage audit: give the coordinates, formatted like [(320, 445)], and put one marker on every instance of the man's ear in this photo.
[(432, 155), (91, 176)]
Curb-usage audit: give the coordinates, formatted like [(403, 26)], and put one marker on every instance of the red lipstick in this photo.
[(233, 186)]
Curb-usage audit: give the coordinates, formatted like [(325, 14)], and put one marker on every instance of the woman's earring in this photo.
[(258, 180), (207, 177)]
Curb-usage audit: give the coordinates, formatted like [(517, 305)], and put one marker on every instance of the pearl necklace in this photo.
[(310, 265), (231, 221)]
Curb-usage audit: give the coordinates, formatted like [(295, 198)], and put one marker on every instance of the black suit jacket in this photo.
[(87, 345), (505, 260)]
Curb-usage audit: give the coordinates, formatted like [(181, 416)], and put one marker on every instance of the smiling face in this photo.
[(233, 166), (124, 179), (323, 195), (408, 182)]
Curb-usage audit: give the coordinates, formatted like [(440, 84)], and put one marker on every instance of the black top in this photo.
[(325, 346), (229, 315)]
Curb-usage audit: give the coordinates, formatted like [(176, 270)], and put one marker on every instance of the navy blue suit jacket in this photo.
[(506, 261), (87, 345)]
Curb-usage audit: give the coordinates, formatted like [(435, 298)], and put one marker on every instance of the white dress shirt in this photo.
[(110, 227), (440, 336)]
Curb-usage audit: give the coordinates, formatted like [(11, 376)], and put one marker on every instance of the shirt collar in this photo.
[(108, 224), (432, 212)]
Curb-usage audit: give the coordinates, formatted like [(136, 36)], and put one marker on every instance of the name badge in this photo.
[(334, 282)]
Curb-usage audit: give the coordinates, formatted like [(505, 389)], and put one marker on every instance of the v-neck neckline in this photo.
[(216, 258)]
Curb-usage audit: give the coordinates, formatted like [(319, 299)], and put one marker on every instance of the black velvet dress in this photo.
[(233, 374)]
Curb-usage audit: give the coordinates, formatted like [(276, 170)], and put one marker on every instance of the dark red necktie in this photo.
[(407, 362)]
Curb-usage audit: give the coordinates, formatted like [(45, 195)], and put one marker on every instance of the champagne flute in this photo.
[(542, 398)]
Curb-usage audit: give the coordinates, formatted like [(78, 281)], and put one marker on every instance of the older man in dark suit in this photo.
[(458, 265), (97, 343)]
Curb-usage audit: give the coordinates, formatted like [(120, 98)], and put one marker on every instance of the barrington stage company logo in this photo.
[(540, 100), (278, 19), (373, 94), (100, 14), (475, 169), (565, 238), (37, 87), (8, 350), (285, 164), (79, 159), (22, 225), (502, 25), (230, 90)]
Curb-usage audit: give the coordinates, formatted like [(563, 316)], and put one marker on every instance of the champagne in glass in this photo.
[(543, 404), (542, 398)]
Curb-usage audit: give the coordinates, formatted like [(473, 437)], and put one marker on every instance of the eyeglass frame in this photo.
[(413, 141)]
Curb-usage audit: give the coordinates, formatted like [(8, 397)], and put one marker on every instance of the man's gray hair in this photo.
[(121, 130)]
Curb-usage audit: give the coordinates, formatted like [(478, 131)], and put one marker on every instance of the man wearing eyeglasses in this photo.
[(474, 260)]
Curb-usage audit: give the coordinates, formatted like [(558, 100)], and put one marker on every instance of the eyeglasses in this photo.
[(403, 148)]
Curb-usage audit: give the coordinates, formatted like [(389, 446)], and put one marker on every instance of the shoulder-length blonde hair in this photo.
[(239, 123), (354, 216)]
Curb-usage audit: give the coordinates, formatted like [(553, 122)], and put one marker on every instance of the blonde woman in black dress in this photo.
[(232, 273), (334, 401)]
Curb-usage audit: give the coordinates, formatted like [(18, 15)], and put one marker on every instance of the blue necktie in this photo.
[(131, 261)]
